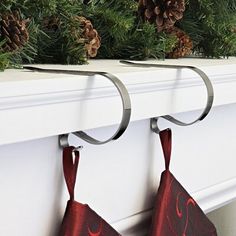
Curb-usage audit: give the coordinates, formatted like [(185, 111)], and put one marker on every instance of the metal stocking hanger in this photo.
[(206, 80), (126, 103)]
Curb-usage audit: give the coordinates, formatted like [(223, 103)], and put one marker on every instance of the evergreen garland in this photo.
[(123, 34), (57, 36), (210, 24)]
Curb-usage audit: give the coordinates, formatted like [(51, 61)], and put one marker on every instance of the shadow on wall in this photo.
[(224, 219)]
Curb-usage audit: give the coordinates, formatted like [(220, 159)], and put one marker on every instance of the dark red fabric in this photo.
[(80, 219), (176, 213)]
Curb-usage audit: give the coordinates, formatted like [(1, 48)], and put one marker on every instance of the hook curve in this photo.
[(204, 77), (126, 104)]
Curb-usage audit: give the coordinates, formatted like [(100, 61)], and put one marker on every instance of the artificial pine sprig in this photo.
[(4, 61), (30, 51), (74, 50), (143, 43), (4, 58), (210, 24), (113, 20)]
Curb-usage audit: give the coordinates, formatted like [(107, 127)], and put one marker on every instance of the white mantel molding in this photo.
[(208, 199), (64, 103)]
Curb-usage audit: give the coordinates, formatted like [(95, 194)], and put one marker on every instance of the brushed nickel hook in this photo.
[(210, 94), (126, 103)]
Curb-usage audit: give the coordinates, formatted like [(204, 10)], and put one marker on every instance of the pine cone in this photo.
[(164, 13), (91, 37), (13, 29), (51, 23), (146, 10), (184, 44)]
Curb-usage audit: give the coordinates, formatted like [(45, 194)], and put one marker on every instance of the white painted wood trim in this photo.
[(216, 196), (65, 103), (208, 199)]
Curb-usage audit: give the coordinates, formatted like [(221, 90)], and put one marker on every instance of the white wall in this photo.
[(31, 185), (224, 220), (118, 180)]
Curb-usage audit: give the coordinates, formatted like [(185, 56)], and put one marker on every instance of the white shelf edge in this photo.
[(68, 103), (77, 93)]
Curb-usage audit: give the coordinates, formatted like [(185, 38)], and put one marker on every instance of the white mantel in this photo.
[(36, 107), (51, 104)]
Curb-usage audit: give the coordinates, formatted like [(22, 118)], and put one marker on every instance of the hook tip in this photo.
[(153, 125), (63, 140)]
